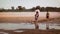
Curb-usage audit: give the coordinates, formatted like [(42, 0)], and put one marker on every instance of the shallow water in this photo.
[(3, 33), (14, 26), (19, 31)]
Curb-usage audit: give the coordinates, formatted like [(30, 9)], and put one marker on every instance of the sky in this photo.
[(29, 3)]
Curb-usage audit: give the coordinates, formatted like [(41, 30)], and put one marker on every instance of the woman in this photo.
[(36, 15)]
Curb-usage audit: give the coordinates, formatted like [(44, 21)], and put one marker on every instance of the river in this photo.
[(14, 26)]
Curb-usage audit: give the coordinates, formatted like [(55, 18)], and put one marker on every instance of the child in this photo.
[(47, 15)]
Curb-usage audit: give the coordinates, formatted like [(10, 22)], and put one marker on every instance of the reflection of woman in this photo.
[(36, 15)]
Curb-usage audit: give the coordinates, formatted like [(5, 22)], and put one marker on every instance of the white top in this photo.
[(37, 10)]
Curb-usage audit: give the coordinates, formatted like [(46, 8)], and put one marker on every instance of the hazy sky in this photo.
[(29, 3)]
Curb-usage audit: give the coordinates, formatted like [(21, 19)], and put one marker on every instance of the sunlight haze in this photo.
[(29, 3)]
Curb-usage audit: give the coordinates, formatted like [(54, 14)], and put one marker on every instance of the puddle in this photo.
[(19, 31)]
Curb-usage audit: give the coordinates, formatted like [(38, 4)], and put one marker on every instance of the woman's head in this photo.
[(36, 11)]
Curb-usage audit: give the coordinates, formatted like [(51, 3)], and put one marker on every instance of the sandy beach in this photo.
[(28, 17), (27, 20)]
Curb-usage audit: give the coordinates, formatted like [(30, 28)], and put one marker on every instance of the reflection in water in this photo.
[(19, 31), (13, 26)]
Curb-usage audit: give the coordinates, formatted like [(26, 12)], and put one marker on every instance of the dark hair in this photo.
[(37, 12)]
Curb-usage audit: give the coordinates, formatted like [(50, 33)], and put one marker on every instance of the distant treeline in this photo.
[(23, 9)]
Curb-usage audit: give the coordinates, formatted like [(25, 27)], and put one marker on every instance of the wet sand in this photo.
[(32, 31), (27, 20)]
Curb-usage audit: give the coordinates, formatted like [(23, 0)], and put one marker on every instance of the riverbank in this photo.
[(28, 20), (28, 17), (31, 31), (51, 20)]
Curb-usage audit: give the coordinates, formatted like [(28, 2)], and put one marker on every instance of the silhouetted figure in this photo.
[(36, 18), (47, 15)]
